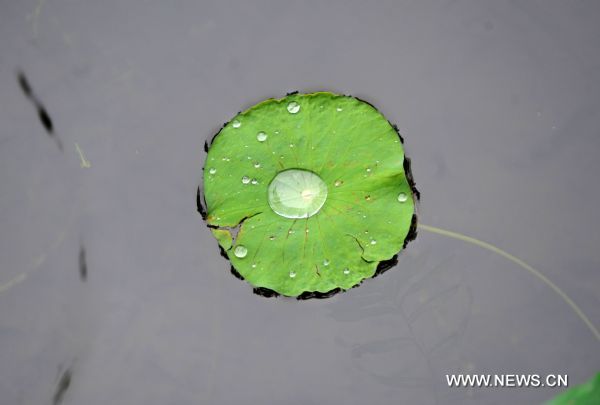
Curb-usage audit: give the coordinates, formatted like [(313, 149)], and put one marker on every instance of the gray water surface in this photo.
[(498, 102)]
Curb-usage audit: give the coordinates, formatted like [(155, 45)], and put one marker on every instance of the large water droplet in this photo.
[(292, 274), (261, 136), (245, 179), (212, 170), (293, 107), (254, 181), (346, 270), (402, 197), (240, 251), (297, 193), (256, 165), (236, 124)]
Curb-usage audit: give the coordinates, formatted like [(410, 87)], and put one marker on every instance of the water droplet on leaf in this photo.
[(293, 107), (297, 193), (402, 197), (240, 251), (261, 136)]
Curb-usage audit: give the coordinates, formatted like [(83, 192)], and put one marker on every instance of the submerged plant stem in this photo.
[(521, 263)]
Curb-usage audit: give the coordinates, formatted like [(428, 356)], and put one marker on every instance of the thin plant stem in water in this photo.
[(521, 263)]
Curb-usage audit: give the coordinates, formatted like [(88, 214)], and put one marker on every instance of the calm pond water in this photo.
[(113, 290)]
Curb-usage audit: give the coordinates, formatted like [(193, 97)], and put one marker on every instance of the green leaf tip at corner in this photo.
[(316, 190), (587, 393)]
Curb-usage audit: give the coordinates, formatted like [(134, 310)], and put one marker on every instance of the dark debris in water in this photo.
[(42, 112), (83, 268), (61, 388), (24, 84), (46, 120)]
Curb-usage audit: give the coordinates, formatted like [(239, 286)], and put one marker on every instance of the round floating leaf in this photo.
[(308, 193)]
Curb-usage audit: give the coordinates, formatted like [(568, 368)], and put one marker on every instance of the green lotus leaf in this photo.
[(308, 193), (587, 393)]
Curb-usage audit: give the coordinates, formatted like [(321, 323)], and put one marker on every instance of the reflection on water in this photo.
[(421, 310)]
